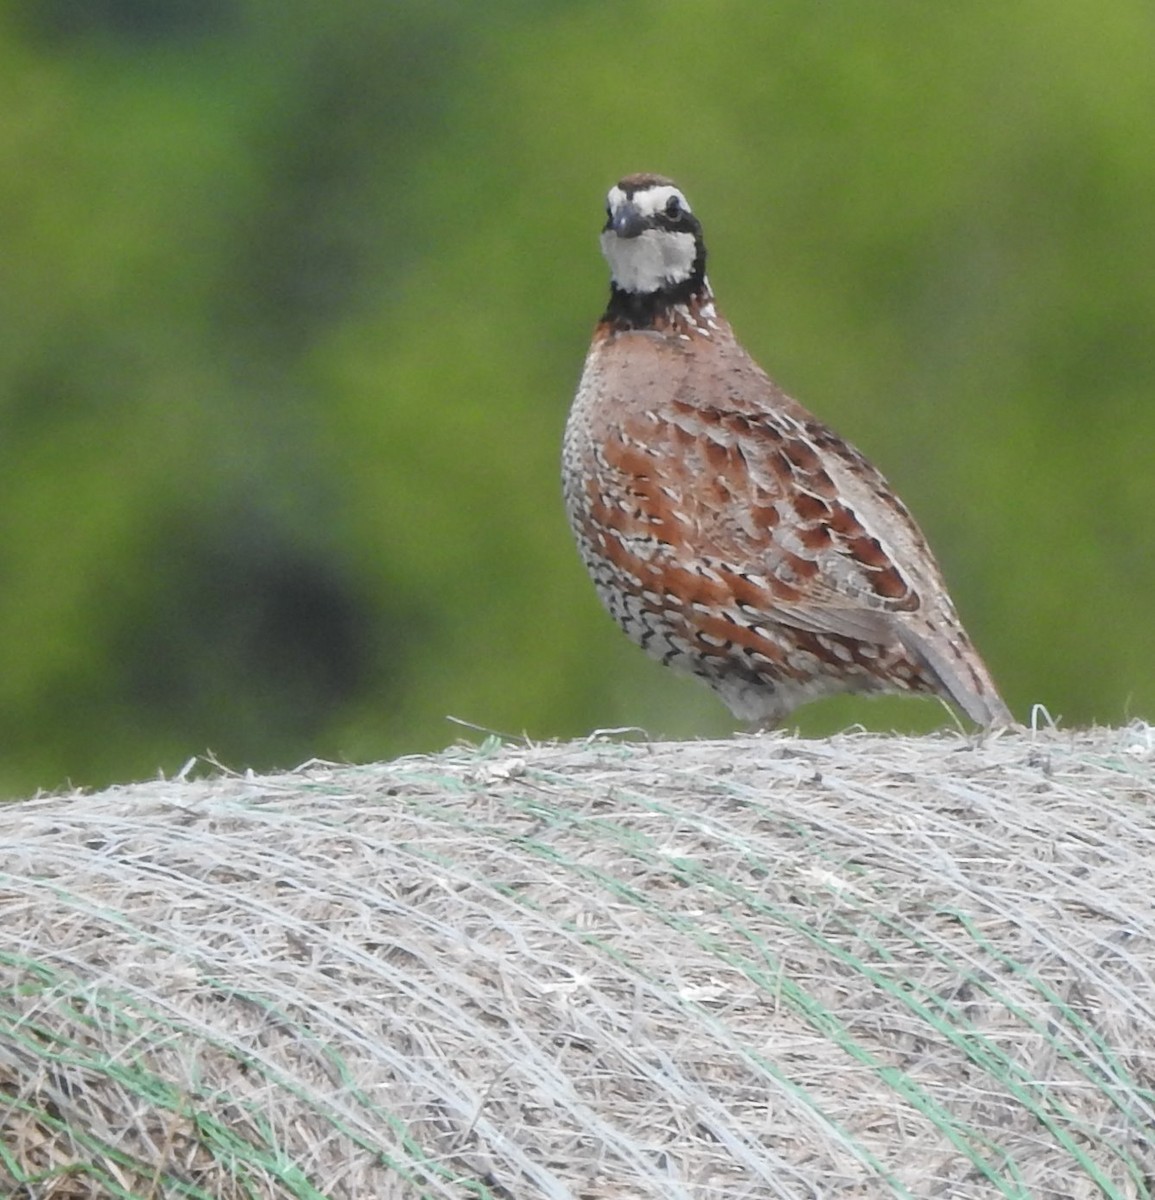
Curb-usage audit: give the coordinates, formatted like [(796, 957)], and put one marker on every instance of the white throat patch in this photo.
[(650, 261)]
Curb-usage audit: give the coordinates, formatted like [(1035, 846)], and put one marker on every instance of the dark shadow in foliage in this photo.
[(129, 21), (250, 642)]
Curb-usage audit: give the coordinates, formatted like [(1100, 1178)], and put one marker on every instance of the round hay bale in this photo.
[(859, 967)]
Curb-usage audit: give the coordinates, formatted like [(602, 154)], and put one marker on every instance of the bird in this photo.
[(729, 532)]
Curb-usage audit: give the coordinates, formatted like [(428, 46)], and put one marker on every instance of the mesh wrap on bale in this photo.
[(865, 966)]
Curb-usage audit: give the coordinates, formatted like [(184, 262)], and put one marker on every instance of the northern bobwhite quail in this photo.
[(729, 532)]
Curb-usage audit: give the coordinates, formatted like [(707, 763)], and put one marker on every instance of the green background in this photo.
[(294, 296)]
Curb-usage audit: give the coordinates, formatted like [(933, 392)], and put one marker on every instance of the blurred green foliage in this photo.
[(293, 298)]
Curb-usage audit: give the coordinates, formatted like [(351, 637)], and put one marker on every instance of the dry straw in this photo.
[(764, 967)]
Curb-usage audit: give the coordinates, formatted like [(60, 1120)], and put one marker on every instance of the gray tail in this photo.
[(962, 676)]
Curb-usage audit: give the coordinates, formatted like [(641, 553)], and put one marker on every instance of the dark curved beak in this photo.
[(628, 222)]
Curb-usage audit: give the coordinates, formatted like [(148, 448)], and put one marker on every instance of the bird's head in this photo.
[(652, 240)]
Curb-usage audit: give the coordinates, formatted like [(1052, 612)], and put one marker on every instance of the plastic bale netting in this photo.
[(765, 967)]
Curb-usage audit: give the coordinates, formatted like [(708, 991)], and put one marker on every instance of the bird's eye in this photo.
[(674, 207)]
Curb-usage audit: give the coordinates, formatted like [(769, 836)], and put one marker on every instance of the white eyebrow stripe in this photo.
[(648, 201), (654, 199)]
